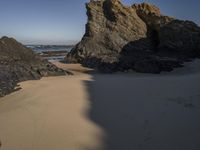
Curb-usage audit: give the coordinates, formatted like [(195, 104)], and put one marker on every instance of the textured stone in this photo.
[(139, 37), (18, 63), (110, 26)]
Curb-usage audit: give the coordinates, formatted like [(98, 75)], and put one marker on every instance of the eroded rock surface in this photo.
[(110, 26), (18, 63), (137, 37)]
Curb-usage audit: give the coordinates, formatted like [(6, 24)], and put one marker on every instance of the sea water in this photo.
[(47, 48)]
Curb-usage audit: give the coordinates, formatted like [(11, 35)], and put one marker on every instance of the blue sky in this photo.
[(63, 21)]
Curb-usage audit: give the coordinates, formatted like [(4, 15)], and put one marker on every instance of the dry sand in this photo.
[(97, 111), (49, 114)]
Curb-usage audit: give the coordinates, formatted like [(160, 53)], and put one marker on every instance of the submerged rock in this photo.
[(18, 63), (138, 37)]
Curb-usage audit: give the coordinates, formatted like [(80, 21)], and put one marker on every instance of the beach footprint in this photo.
[(188, 102)]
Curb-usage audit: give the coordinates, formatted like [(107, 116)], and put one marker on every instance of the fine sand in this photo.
[(93, 111), (49, 114)]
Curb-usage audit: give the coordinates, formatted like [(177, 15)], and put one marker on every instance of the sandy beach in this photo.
[(49, 114), (93, 111)]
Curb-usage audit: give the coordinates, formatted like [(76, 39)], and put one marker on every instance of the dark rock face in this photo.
[(139, 37), (182, 37), (18, 63), (110, 26)]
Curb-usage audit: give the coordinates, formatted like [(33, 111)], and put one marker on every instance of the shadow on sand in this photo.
[(146, 112)]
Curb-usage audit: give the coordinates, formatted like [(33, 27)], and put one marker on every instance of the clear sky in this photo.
[(63, 21)]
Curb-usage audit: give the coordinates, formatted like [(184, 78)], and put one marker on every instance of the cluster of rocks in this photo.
[(137, 37), (18, 63), (47, 54)]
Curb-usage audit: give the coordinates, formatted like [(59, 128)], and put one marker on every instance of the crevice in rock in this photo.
[(107, 10)]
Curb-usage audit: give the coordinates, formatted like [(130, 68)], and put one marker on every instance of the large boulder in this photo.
[(18, 63), (110, 26), (138, 37)]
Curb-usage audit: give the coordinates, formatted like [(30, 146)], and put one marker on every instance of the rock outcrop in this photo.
[(18, 63), (110, 26), (137, 37)]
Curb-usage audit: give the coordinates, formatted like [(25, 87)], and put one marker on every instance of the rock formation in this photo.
[(18, 63), (138, 37)]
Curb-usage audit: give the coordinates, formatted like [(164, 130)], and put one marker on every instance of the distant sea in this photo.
[(52, 48)]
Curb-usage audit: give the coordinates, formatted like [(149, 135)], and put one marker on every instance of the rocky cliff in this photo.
[(137, 37), (18, 63)]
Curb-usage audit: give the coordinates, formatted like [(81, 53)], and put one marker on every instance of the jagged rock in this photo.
[(156, 65), (110, 26), (18, 63), (181, 37), (152, 16), (139, 37)]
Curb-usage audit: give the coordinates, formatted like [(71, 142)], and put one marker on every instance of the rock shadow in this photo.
[(135, 112)]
